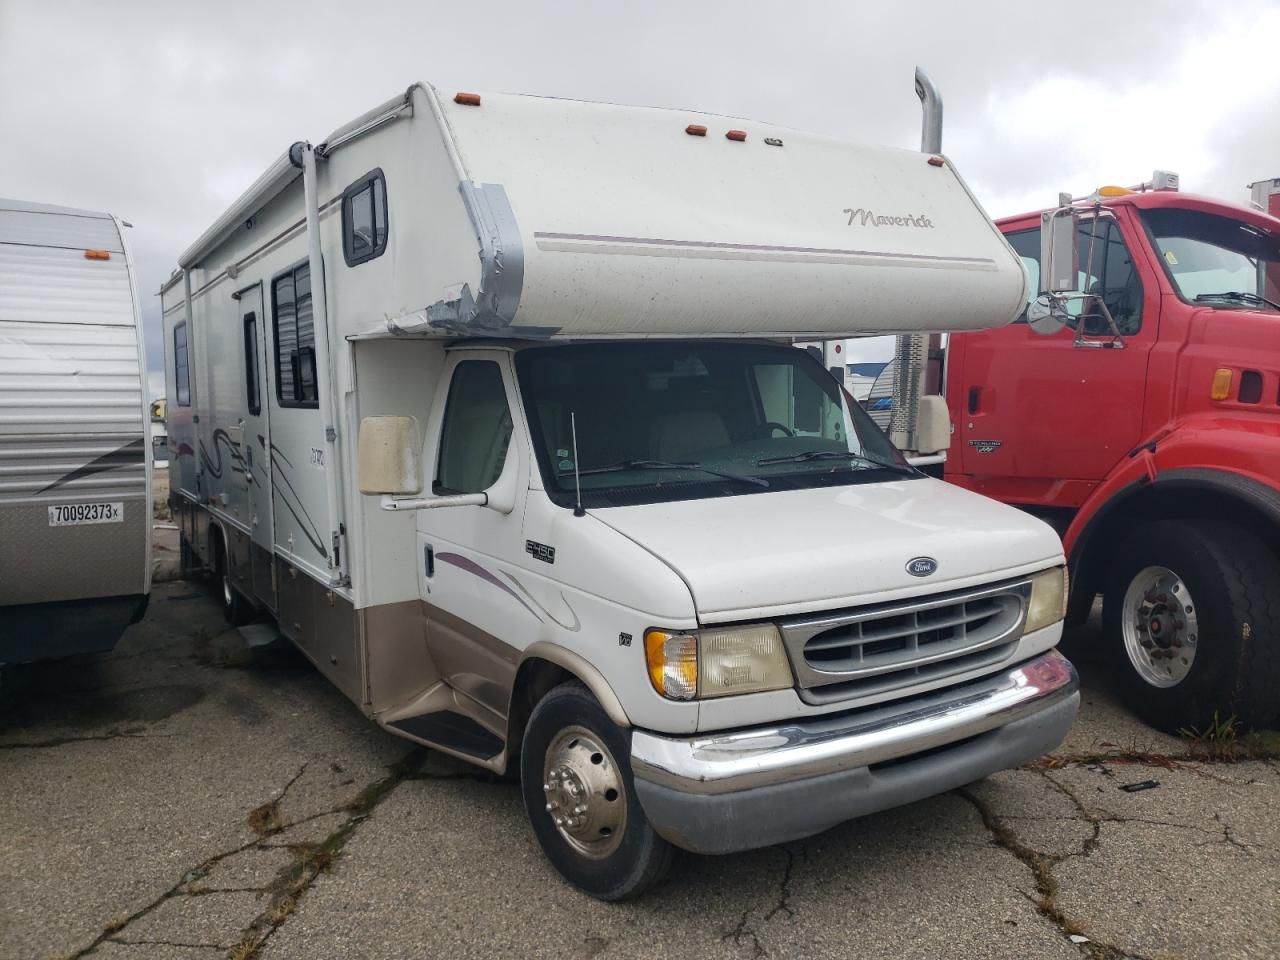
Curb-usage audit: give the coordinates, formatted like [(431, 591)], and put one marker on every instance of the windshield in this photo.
[(1213, 259), (682, 420)]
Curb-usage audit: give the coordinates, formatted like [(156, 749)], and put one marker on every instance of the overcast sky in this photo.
[(163, 113)]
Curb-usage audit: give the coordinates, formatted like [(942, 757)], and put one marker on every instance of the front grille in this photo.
[(885, 647)]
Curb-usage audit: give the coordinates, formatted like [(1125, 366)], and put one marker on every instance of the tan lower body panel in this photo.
[(394, 660)]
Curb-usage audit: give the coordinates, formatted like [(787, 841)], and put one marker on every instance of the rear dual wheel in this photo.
[(575, 777), (235, 609), (1192, 618)]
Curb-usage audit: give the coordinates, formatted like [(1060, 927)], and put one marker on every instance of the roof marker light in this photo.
[(736, 135), (97, 255), (936, 161), (467, 99), (696, 130), (1111, 191)]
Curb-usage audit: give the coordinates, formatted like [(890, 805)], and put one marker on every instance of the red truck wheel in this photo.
[(1192, 618)]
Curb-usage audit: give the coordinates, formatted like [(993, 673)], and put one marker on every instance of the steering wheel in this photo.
[(777, 426)]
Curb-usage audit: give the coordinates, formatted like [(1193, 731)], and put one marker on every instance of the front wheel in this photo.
[(575, 776), (1192, 617)]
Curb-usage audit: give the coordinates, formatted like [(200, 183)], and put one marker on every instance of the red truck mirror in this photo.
[(1059, 251)]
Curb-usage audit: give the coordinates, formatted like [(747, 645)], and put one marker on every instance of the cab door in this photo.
[(255, 443), (1040, 419), (470, 555)]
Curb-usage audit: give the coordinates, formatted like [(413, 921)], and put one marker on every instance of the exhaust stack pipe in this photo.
[(910, 353), (931, 106)]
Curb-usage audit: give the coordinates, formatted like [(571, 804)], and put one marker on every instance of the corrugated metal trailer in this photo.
[(75, 472)]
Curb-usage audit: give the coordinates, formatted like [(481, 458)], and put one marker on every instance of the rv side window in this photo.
[(251, 363), (295, 338), (181, 365), (476, 429), (364, 219)]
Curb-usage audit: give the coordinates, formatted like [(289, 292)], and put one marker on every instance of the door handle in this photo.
[(975, 399), (429, 561)]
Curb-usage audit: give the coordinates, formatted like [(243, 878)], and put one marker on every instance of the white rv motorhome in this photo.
[(489, 401), (75, 471)]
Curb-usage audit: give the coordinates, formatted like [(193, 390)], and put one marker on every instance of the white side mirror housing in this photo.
[(389, 462), (933, 428)]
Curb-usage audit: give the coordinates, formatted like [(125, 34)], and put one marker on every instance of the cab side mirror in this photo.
[(1059, 251), (1059, 270), (389, 462)]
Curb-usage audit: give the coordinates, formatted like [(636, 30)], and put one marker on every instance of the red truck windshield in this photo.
[(1213, 259)]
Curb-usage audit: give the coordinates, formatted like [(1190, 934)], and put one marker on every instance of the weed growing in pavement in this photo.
[(1222, 742), (1218, 741)]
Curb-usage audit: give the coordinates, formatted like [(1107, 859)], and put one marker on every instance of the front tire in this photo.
[(1192, 618), (575, 777)]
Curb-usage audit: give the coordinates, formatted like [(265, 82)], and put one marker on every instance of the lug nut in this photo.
[(580, 808), (551, 806)]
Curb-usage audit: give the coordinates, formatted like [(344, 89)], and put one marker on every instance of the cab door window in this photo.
[(1106, 272), (476, 430)]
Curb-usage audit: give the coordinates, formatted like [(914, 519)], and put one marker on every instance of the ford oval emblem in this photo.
[(922, 566)]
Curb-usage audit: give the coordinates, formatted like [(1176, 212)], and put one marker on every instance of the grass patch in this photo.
[(1222, 741), (266, 819)]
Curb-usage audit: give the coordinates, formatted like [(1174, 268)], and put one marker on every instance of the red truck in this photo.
[(1145, 427)]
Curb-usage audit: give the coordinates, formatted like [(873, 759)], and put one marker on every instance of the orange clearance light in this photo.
[(738, 135), (696, 130), (1221, 388), (936, 161), (97, 255), (467, 99), (1114, 191)]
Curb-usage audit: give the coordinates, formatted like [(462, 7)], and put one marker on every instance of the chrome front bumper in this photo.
[(747, 788)]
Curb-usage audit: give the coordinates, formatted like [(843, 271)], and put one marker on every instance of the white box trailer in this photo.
[(75, 471), (490, 402)]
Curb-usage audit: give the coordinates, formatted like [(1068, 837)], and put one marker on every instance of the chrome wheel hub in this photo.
[(1160, 625), (586, 799)]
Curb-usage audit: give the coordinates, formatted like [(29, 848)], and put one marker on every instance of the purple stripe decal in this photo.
[(464, 563)]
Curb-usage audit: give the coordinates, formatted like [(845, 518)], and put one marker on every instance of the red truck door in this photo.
[(1033, 411)]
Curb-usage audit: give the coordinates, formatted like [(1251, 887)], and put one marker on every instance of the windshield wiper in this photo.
[(808, 455), (1240, 295), (665, 465)]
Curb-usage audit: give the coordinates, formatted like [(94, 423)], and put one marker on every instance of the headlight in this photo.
[(1048, 602), (717, 662)]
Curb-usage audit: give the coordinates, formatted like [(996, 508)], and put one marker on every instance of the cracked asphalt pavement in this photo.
[(160, 802)]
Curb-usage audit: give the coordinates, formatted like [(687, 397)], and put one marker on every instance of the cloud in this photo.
[(164, 115)]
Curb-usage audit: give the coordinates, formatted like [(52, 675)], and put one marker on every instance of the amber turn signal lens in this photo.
[(1221, 388), (738, 135), (97, 255), (467, 99), (696, 130), (672, 660)]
